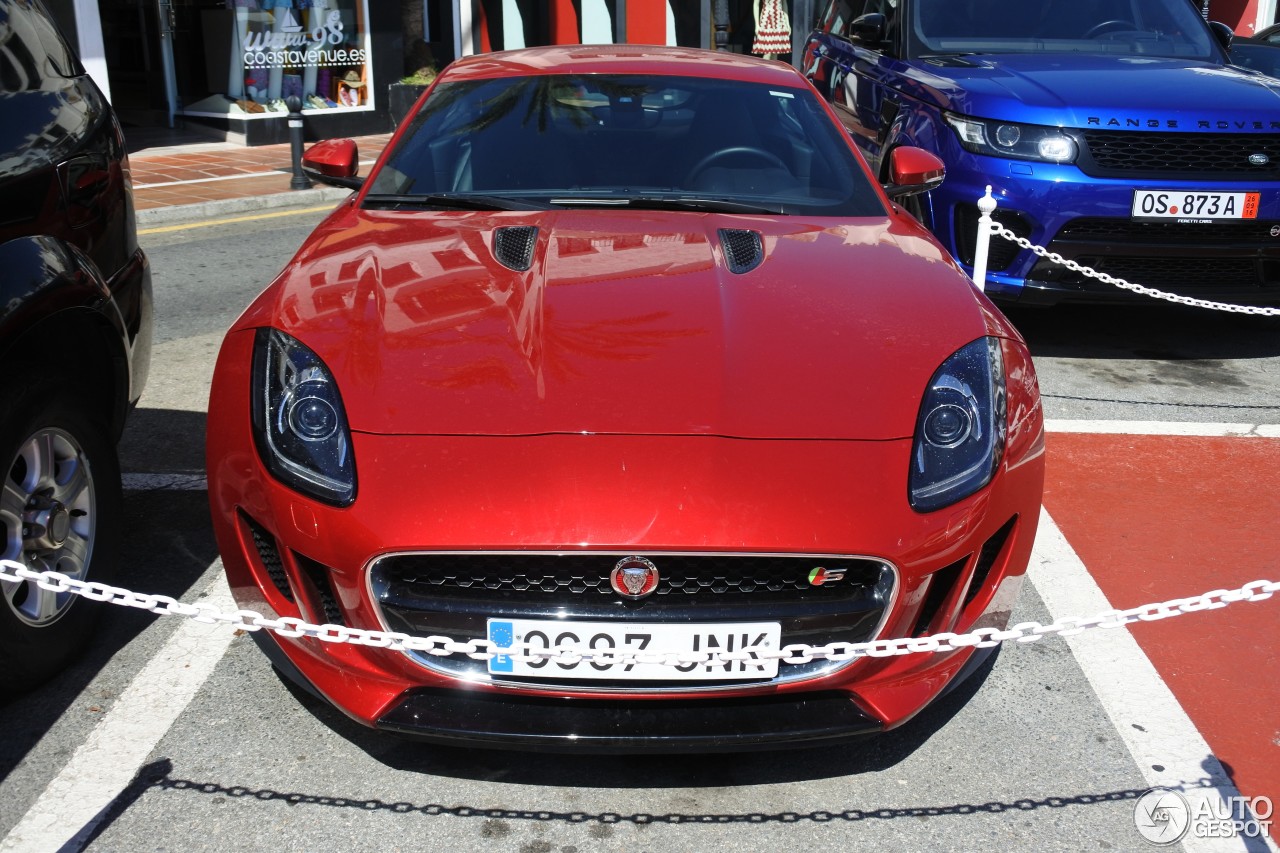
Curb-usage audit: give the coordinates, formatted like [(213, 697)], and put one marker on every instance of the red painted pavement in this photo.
[(1160, 517)]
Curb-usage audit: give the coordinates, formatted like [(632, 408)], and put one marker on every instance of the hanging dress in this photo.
[(773, 30)]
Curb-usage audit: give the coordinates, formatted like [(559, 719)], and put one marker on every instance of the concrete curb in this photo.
[(184, 213)]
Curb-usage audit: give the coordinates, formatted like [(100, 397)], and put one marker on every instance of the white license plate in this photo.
[(1191, 206), (646, 637)]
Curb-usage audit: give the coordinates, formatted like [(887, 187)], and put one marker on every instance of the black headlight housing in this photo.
[(961, 429), (1010, 139), (299, 424)]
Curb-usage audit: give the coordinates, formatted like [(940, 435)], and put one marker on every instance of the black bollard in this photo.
[(720, 18), (299, 181)]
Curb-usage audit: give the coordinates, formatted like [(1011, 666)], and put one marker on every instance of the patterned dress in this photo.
[(773, 30)]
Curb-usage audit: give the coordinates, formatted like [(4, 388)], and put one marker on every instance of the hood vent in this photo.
[(513, 246), (742, 249)]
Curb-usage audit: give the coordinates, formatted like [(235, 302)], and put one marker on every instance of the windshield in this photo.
[(683, 143), (1264, 58), (1170, 28)]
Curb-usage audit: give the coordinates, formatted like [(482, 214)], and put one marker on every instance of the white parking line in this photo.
[(1131, 691), (77, 799), (1165, 428)]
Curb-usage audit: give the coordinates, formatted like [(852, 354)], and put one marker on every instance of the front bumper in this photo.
[(956, 569), (1089, 220), (559, 724)]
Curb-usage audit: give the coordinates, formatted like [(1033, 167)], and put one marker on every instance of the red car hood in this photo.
[(627, 322)]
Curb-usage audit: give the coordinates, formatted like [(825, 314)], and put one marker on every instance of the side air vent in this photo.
[(513, 246), (322, 588), (265, 544), (742, 249), (987, 559), (941, 583)]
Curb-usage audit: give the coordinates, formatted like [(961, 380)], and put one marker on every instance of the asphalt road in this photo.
[(1025, 758)]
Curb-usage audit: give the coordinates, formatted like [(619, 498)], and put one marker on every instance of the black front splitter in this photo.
[(552, 724)]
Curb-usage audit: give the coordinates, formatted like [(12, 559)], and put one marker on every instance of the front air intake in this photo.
[(513, 246), (743, 250), (269, 553)]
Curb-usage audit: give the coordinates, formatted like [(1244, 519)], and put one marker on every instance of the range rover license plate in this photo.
[(640, 636), (1191, 206)]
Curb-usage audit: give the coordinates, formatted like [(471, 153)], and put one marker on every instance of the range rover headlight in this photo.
[(298, 421), (1007, 139), (960, 433)]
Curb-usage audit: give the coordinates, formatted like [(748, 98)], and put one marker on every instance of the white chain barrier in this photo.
[(988, 226), (480, 649)]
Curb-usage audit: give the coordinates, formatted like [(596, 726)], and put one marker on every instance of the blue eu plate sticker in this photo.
[(502, 636)]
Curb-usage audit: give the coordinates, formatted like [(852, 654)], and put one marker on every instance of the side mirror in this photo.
[(1222, 33), (334, 162), (868, 29), (913, 171)]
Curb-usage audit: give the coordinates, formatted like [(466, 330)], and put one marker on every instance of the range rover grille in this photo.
[(1245, 233), (1110, 153), (1186, 275)]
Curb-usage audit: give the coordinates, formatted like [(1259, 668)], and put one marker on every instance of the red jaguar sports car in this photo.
[(623, 348)]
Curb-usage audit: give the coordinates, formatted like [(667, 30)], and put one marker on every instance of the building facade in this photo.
[(228, 67)]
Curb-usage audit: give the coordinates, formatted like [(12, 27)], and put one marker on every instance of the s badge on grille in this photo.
[(820, 576), (634, 577), (1259, 159)]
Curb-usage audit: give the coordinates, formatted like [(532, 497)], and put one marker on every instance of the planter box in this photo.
[(400, 99)]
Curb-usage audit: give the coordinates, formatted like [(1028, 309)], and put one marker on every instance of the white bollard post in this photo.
[(986, 206)]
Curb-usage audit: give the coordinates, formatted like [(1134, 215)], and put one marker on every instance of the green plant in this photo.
[(421, 77)]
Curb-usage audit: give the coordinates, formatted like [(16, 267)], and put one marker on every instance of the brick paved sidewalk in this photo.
[(203, 173)]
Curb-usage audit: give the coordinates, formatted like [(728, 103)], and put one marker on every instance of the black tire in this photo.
[(34, 645)]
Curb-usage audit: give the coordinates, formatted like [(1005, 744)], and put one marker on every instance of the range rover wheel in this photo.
[(59, 510)]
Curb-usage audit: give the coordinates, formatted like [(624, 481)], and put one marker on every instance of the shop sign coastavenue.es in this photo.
[(292, 45)]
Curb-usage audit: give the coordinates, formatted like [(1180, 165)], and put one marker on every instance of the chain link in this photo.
[(1001, 231), (480, 649)]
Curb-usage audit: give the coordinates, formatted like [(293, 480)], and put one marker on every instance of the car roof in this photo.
[(624, 59)]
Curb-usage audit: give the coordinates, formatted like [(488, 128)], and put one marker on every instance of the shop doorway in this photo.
[(136, 37), (513, 24)]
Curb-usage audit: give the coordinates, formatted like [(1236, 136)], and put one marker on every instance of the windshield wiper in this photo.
[(450, 201), (955, 54), (662, 202)]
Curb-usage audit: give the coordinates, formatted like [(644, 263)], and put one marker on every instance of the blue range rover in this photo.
[(1111, 131)]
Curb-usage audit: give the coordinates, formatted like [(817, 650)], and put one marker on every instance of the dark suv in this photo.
[(75, 336)]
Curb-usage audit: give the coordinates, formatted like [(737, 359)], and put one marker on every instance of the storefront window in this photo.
[(513, 24), (764, 27), (316, 50)]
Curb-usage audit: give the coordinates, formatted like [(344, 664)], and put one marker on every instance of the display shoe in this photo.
[(316, 102), (329, 103), (278, 106), (250, 106)]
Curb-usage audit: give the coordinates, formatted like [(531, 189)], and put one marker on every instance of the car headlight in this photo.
[(298, 420), (1006, 139), (960, 434)]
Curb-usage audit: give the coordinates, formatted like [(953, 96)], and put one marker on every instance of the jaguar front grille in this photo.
[(455, 594)]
